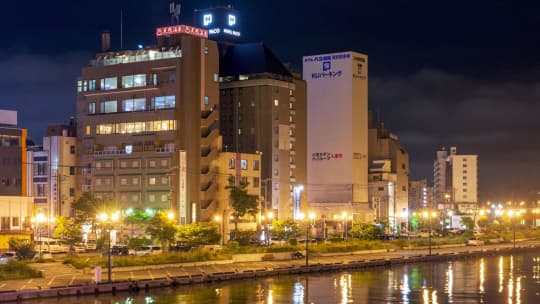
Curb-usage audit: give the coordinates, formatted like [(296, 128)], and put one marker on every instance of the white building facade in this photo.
[(337, 136)]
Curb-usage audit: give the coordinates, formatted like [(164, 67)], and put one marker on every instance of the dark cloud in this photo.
[(41, 88), (498, 120)]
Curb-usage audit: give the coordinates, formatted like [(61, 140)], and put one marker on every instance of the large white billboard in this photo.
[(337, 127)]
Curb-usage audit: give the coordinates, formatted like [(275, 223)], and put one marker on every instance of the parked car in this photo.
[(146, 250), (276, 241), (91, 245), (45, 255), (454, 231), (51, 245), (425, 233), (475, 242), (7, 256), (119, 250), (79, 247)]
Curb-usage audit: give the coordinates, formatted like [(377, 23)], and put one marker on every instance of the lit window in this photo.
[(92, 108), (132, 81), (243, 164), (206, 101), (232, 163), (276, 102), (216, 77), (129, 149), (91, 85), (88, 130), (152, 181), (164, 102), (136, 104), (109, 83), (108, 106)]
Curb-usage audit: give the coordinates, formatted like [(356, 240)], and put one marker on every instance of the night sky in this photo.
[(442, 73)]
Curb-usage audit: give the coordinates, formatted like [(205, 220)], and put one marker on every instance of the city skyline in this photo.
[(449, 75)]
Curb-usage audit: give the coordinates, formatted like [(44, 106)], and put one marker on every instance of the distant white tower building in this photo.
[(455, 180)]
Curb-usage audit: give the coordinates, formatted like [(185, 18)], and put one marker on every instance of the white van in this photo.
[(50, 245)]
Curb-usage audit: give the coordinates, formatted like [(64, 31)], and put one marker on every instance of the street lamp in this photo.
[(220, 220), (513, 214), (38, 220), (430, 216), (269, 217), (108, 220)]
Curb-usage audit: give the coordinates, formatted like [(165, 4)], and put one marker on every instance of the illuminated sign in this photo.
[(232, 20), (325, 156), (181, 29), (207, 19), (326, 65), (214, 31), (231, 32)]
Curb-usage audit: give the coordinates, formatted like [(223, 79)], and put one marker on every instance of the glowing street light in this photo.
[(108, 220), (430, 216)]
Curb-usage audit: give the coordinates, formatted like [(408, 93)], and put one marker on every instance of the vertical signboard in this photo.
[(182, 188)]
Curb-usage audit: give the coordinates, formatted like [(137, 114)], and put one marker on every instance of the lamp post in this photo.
[(269, 217), (38, 220), (108, 220), (430, 216)]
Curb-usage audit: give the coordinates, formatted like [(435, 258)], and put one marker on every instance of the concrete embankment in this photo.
[(146, 284)]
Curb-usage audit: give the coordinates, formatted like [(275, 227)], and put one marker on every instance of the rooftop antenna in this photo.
[(121, 30), (174, 10)]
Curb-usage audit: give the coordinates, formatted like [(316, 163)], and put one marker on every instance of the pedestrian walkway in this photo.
[(57, 275)]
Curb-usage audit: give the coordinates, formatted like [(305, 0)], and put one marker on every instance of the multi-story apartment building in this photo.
[(148, 124), (234, 169), (456, 180), (263, 111), (51, 171), (338, 133), (384, 145), (15, 205), (420, 195)]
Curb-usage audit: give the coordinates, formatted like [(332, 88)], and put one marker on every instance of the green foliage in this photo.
[(335, 237), (88, 206), (166, 258), (243, 237), (242, 202), (233, 246), (15, 270), (136, 242), (199, 234), (284, 229), (293, 242), (69, 230), (364, 231), (22, 247), (163, 229), (483, 222), (468, 223)]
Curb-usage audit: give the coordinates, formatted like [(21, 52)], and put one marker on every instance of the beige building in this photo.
[(241, 168), (51, 171), (263, 111), (148, 124), (456, 180), (337, 138), (420, 195), (385, 146)]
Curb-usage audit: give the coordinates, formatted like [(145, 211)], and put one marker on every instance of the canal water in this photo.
[(496, 279)]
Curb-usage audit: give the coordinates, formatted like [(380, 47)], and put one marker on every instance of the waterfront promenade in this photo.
[(59, 279)]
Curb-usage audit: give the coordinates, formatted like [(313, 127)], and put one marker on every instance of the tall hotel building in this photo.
[(262, 108), (337, 134), (148, 124)]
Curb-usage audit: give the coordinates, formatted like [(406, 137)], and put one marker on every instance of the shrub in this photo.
[(293, 242), (15, 270), (22, 247)]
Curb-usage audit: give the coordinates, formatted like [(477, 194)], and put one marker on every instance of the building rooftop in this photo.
[(130, 56), (251, 58)]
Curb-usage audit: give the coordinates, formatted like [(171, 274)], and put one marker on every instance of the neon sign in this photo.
[(207, 19), (181, 29), (232, 20)]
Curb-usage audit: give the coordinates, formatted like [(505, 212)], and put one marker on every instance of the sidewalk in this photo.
[(58, 276)]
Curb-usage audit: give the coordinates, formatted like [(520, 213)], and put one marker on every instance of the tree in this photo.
[(242, 202), (199, 234), (163, 229), (24, 249), (69, 230), (284, 229), (364, 231)]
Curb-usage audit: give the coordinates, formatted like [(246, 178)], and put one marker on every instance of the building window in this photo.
[(132, 105), (109, 106), (232, 163), (154, 79), (133, 81), (91, 85), (5, 222), (404, 188), (88, 130), (151, 180), (164, 102), (72, 192), (71, 170), (276, 172), (206, 50), (464, 165), (71, 149), (92, 108), (206, 101), (231, 180), (243, 164), (216, 78), (380, 188), (276, 102), (276, 157), (464, 190), (15, 221), (256, 182), (109, 83), (41, 169), (256, 165), (464, 171)]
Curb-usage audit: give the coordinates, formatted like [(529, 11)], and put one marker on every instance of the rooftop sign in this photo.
[(181, 29)]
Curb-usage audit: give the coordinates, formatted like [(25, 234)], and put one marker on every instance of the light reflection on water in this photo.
[(497, 279)]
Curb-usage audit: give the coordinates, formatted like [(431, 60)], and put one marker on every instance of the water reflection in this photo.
[(502, 279)]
